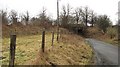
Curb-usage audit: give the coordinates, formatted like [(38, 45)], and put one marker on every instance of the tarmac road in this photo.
[(106, 54)]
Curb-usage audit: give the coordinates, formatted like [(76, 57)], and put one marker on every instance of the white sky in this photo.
[(109, 7)]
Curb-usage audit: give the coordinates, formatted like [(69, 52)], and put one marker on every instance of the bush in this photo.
[(103, 22), (112, 32)]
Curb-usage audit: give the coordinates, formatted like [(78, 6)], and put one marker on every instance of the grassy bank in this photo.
[(70, 50), (26, 48), (93, 32)]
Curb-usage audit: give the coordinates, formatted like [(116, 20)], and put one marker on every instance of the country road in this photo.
[(106, 54)]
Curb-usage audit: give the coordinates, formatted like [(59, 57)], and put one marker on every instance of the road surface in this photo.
[(106, 54)]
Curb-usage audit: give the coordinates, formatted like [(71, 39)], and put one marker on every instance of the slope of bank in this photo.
[(70, 50), (94, 32)]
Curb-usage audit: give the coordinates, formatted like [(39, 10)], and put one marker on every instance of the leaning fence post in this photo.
[(12, 50), (43, 41), (52, 38)]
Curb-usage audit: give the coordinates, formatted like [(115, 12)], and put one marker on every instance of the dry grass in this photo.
[(23, 30), (27, 48), (69, 51), (97, 34)]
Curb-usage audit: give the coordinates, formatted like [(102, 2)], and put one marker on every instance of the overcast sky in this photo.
[(109, 7)]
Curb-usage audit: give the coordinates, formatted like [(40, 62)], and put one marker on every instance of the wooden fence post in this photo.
[(43, 41), (12, 50), (52, 38), (57, 35)]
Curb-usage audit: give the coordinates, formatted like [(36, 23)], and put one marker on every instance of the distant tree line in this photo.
[(24, 19), (81, 16)]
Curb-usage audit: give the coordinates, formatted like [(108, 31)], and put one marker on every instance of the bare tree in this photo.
[(68, 12), (13, 16), (93, 18), (43, 16), (65, 15), (25, 17), (78, 15), (44, 19), (85, 15)]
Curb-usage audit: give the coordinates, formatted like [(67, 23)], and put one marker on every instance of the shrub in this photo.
[(103, 22), (112, 32)]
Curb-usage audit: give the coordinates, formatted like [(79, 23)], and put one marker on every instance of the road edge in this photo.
[(93, 58)]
